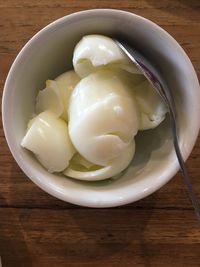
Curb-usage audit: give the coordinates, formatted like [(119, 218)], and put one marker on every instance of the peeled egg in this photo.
[(115, 167), (152, 108), (47, 137), (80, 163), (103, 117), (50, 99), (105, 100), (55, 97), (94, 52), (66, 83)]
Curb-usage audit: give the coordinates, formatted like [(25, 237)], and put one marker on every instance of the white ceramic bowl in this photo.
[(49, 53)]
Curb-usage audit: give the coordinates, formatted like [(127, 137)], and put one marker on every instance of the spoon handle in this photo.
[(184, 171), (169, 101), (165, 94)]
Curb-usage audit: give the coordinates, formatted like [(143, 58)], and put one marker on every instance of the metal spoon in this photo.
[(159, 85)]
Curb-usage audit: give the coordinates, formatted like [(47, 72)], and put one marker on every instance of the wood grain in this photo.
[(94, 238), (37, 229)]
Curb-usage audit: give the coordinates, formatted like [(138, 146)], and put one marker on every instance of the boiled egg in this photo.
[(103, 117), (82, 169), (152, 109), (95, 52), (47, 137), (55, 97)]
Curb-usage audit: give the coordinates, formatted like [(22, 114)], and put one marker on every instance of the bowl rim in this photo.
[(77, 199)]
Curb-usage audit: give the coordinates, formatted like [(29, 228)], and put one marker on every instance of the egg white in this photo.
[(47, 137), (66, 83), (55, 97), (50, 99), (103, 117), (105, 101), (95, 52), (114, 168), (152, 109)]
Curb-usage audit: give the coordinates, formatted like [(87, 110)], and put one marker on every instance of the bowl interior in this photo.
[(49, 54)]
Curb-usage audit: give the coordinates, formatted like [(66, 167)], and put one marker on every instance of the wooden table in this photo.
[(39, 230)]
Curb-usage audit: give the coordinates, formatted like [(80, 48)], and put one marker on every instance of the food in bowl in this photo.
[(86, 119)]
